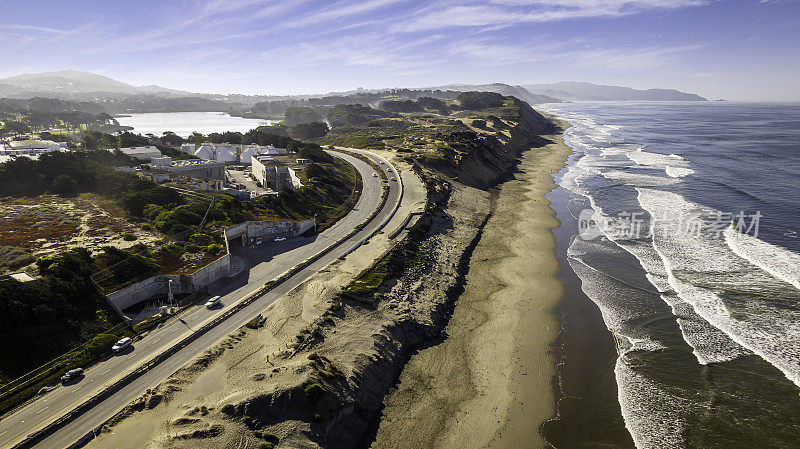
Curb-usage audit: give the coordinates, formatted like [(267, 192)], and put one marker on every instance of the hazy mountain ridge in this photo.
[(582, 91), (69, 82), (506, 90)]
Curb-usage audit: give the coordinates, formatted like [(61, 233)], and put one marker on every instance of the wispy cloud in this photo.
[(446, 14)]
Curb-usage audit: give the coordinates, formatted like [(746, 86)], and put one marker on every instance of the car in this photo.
[(389, 170), (279, 239), (374, 175), (392, 179), (383, 163), (121, 345), (212, 302), (71, 375), (259, 241)]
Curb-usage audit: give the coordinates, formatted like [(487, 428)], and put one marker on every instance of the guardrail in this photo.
[(39, 435)]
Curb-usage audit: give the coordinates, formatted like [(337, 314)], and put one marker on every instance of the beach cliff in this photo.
[(318, 373)]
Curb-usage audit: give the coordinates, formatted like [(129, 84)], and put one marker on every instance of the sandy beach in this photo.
[(488, 384)]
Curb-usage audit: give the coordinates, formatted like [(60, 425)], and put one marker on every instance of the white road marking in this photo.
[(105, 371), (77, 389), (4, 433), (40, 411)]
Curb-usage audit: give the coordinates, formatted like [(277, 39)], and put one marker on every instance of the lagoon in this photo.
[(184, 123)]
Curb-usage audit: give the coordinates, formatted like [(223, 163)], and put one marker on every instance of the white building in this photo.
[(230, 153), (206, 151), (31, 147), (226, 153), (272, 176)]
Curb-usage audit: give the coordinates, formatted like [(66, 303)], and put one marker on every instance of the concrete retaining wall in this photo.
[(268, 229), (159, 285)]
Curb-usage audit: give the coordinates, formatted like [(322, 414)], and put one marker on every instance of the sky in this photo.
[(737, 50)]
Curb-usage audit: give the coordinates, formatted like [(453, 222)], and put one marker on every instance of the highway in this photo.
[(264, 264)]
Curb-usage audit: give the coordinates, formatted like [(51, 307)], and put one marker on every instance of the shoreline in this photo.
[(587, 410), (483, 385)]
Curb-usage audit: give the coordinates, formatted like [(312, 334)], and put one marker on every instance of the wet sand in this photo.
[(488, 384)]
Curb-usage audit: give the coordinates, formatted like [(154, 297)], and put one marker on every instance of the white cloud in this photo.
[(446, 14)]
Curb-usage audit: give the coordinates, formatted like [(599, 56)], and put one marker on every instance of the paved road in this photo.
[(267, 262)]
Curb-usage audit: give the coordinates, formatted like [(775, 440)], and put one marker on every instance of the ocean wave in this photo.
[(653, 416), (678, 172), (694, 263), (777, 261)]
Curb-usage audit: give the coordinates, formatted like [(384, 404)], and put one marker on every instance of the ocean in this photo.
[(683, 238)]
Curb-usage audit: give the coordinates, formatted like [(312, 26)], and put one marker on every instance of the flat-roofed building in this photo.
[(196, 168), (145, 153), (272, 176), (31, 147)]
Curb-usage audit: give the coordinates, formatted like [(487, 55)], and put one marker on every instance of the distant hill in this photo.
[(580, 91), (73, 82), (503, 89)]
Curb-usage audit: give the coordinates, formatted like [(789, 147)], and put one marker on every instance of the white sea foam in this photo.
[(693, 261), (779, 262), (709, 344), (655, 160), (678, 172), (653, 416), (638, 178)]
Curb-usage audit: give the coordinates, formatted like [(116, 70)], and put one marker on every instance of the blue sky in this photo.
[(747, 50)]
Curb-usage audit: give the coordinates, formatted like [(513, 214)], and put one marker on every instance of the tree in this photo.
[(89, 142), (297, 115), (16, 128), (170, 138), (311, 130), (64, 185)]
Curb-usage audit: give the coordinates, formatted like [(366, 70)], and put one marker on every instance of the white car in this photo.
[(392, 179), (374, 175), (279, 239), (121, 345), (212, 302), (389, 170), (383, 163), (258, 241)]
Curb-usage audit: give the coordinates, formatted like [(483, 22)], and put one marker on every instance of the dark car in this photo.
[(72, 375)]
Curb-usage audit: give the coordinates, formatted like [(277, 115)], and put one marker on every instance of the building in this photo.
[(226, 153), (206, 151), (195, 168), (31, 147), (272, 176), (231, 153), (141, 153)]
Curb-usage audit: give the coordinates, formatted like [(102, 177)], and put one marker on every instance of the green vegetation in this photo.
[(58, 172), (312, 130), (343, 115), (13, 258), (43, 319), (314, 392), (369, 280), (480, 100), (297, 115), (359, 142)]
